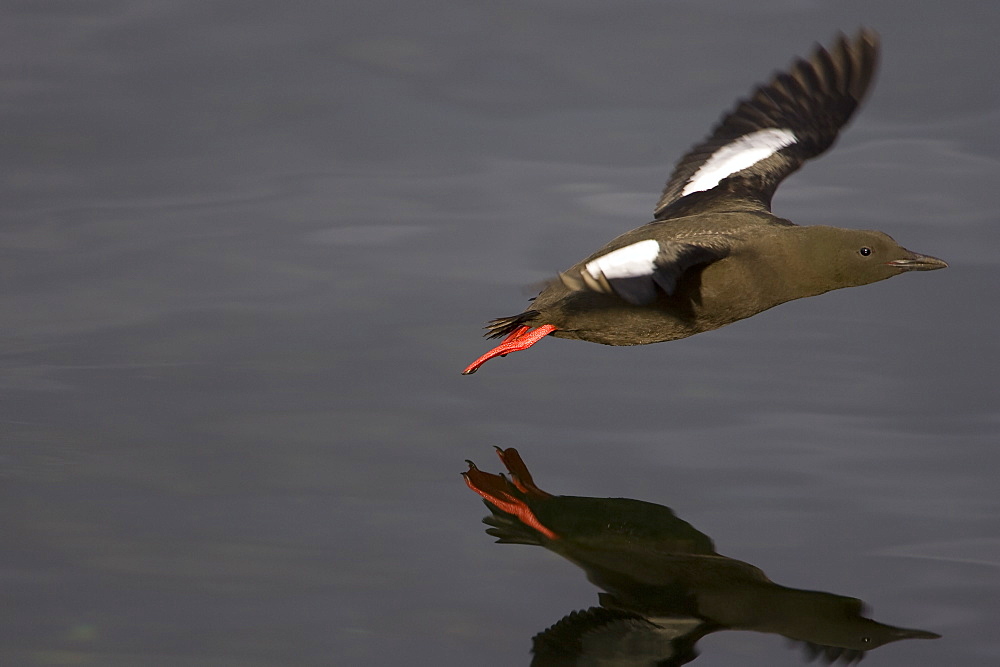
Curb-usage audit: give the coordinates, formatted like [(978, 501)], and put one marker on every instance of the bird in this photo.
[(714, 252), (664, 584)]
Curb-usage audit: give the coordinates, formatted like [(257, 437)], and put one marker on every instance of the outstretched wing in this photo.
[(635, 272), (794, 117), (599, 636)]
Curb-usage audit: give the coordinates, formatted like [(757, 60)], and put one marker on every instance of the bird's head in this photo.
[(852, 257)]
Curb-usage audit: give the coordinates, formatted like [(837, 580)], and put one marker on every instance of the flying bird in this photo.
[(715, 253)]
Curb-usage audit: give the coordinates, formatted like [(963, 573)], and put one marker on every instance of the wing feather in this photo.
[(637, 272), (808, 104)]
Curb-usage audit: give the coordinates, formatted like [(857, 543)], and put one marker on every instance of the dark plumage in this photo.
[(665, 586), (715, 253)]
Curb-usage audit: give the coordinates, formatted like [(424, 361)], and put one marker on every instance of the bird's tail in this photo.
[(508, 529), (502, 326)]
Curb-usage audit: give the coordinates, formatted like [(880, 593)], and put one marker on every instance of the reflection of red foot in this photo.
[(519, 339), (509, 496), (519, 473)]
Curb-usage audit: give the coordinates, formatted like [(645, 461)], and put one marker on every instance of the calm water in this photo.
[(247, 249)]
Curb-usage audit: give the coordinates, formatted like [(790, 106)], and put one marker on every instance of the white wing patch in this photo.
[(629, 262), (736, 156)]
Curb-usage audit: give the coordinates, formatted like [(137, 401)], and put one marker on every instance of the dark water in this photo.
[(247, 249)]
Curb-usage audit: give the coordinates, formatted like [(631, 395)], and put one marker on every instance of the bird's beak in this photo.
[(906, 633), (915, 262)]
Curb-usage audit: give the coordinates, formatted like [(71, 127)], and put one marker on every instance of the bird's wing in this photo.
[(618, 636), (794, 117), (635, 272)]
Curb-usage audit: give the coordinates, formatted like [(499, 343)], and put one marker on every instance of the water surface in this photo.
[(247, 249)]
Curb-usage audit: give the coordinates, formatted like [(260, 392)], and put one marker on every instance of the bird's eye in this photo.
[(865, 251), (866, 640)]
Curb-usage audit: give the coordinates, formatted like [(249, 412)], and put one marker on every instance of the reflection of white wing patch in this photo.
[(628, 262), (736, 156)]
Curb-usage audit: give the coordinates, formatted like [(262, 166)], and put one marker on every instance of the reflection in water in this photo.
[(665, 586)]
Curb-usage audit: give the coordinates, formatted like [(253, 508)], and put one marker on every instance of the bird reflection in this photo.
[(665, 587)]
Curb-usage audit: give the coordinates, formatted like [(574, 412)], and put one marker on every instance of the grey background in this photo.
[(247, 248)]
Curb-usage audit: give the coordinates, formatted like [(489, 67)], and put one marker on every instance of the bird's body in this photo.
[(715, 253), (751, 278)]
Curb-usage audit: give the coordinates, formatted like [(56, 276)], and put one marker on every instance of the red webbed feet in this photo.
[(507, 496), (519, 473), (519, 339)]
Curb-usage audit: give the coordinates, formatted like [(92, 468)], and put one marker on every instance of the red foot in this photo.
[(519, 473), (519, 339), (516, 333), (499, 491)]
